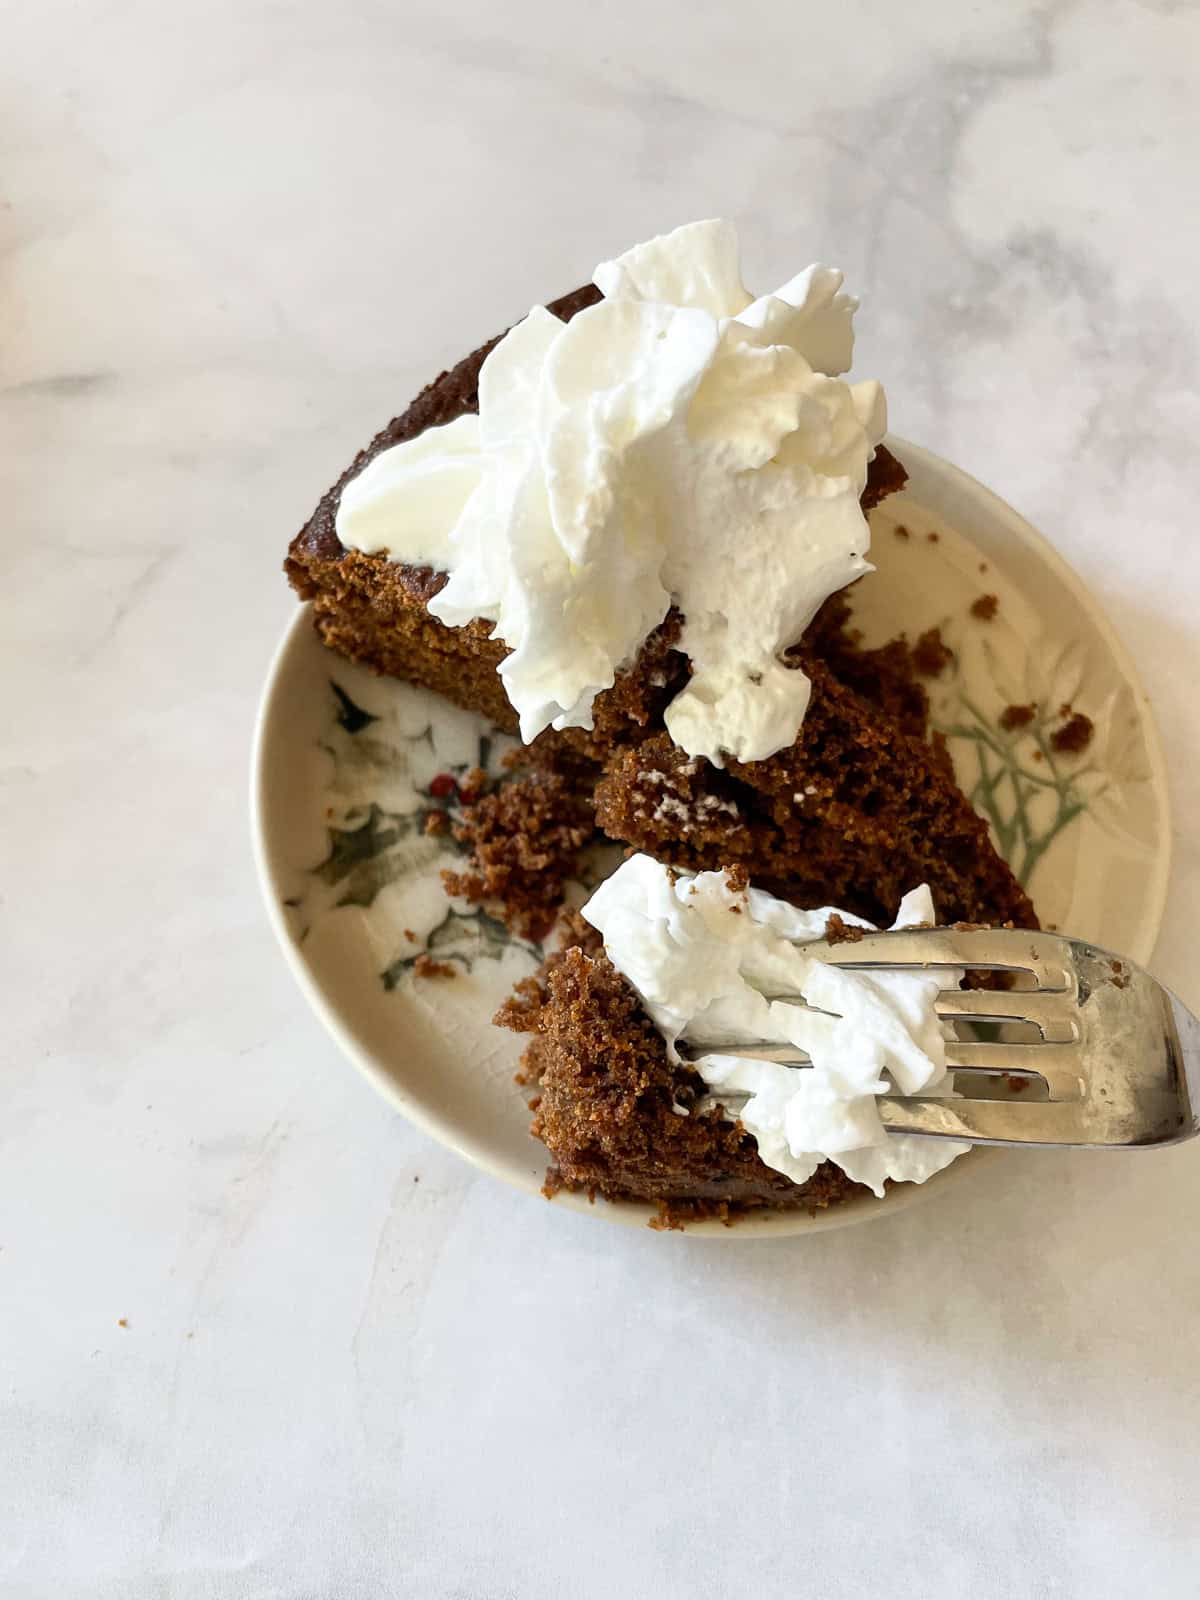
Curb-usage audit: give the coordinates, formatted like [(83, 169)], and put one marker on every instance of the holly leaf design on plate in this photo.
[(366, 858), (350, 716), (463, 937)]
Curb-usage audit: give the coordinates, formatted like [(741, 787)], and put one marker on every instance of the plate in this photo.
[(348, 768)]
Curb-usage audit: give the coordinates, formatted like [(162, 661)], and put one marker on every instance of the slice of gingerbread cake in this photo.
[(625, 530)]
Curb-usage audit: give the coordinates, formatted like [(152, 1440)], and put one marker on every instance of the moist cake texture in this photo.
[(375, 611), (859, 808), (610, 1102)]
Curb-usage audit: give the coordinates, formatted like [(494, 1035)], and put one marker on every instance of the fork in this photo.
[(1116, 1060)]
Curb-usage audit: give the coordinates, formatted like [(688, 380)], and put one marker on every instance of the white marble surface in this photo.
[(242, 1351)]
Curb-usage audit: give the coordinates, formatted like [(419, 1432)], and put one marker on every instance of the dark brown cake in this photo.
[(525, 840), (877, 784), (607, 1094), (853, 814), (375, 610)]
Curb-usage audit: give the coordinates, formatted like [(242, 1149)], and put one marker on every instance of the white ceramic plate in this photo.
[(346, 767)]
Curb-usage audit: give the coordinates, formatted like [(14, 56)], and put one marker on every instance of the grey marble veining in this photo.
[(243, 1352)]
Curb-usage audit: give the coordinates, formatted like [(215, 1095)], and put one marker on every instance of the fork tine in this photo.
[(1060, 1065), (1045, 956), (1048, 1013), (1056, 1024), (1056, 1066), (988, 1121)]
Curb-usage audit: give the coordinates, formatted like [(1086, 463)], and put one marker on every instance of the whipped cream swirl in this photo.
[(680, 442), (704, 958)]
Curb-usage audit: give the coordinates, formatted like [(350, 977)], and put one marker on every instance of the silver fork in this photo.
[(1116, 1062)]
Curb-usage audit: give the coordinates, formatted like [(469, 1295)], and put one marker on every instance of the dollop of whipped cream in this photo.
[(707, 961), (680, 442)]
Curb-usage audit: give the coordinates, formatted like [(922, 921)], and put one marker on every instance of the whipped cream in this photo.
[(705, 958), (680, 442)]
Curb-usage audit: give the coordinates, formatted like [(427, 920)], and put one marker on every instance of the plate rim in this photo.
[(769, 1225)]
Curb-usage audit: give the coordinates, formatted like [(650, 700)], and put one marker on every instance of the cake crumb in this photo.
[(426, 967), (1074, 736), (838, 931), (930, 655), (122, 1322), (1016, 717), (985, 607), (940, 747), (933, 537), (1037, 755), (1119, 980), (436, 822), (900, 531), (524, 840), (737, 878), (410, 936), (983, 566)]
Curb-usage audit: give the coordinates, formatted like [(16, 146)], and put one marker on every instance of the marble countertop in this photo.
[(242, 1353)]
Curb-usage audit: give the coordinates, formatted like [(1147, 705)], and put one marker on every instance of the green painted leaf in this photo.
[(350, 716)]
